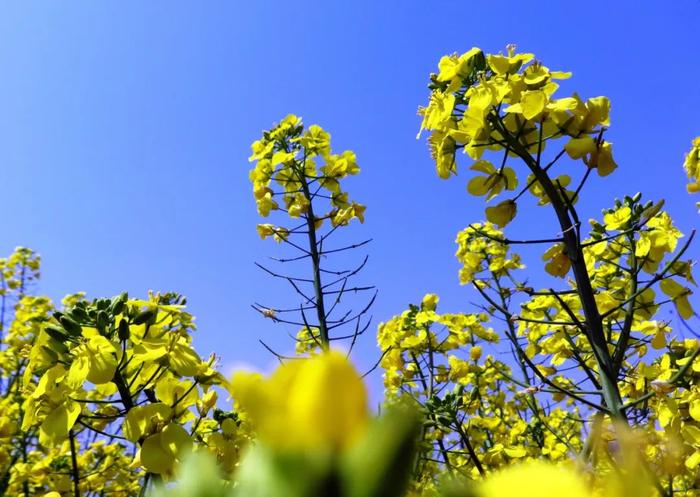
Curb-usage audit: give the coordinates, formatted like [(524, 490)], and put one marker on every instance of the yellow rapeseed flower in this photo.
[(536, 479), (316, 403)]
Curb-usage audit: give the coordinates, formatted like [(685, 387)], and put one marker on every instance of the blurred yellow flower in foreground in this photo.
[(315, 403), (537, 479)]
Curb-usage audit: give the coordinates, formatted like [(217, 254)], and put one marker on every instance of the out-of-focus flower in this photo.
[(313, 403), (537, 479)]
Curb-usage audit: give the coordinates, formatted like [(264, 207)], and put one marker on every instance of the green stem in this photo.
[(594, 323), (625, 333), (124, 392), (315, 261), (75, 474)]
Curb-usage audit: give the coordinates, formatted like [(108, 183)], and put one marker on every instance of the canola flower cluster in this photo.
[(299, 162), (483, 103), (595, 344), (102, 396)]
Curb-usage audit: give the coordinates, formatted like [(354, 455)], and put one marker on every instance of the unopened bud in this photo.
[(529, 390), (475, 353), (207, 402), (268, 313), (662, 386)]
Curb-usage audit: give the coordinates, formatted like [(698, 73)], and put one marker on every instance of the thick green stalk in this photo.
[(316, 266), (594, 322), (75, 474)]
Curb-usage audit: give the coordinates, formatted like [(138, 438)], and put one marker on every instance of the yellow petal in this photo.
[(535, 480), (58, 423), (511, 178), (184, 360), (695, 409), (578, 147), (503, 213), (604, 161), (151, 349), (154, 457), (659, 340), (103, 360), (483, 166), (79, 368), (533, 103), (679, 294), (175, 440), (317, 412), (515, 452), (693, 461), (478, 185)]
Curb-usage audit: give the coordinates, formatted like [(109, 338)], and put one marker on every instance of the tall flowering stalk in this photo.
[(297, 174), (589, 349)]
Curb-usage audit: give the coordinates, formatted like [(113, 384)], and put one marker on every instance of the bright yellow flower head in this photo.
[(537, 479), (692, 158), (316, 403), (692, 166)]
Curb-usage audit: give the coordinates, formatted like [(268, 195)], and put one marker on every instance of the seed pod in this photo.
[(56, 333), (51, 353), (70, 326), (117, 305), (144, 316), (102, 321), (78, 314), (123, 330)]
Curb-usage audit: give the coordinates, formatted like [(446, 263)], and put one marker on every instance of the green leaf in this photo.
[(380, 464), (268, 472)]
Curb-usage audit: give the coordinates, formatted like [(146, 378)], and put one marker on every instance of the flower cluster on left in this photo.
[(102, 396)]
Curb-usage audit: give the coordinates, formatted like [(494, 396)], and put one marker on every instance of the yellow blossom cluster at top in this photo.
[(294, 165), (120, 369), (487, 103)]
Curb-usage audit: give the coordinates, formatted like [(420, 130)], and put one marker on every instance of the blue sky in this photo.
[(125, 130)]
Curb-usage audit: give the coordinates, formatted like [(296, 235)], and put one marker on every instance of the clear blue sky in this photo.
[(125, 131)]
